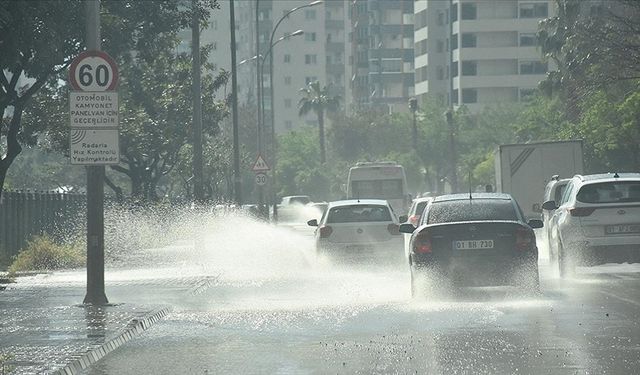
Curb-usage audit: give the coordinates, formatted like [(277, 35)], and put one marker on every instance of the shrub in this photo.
[(42, 253)]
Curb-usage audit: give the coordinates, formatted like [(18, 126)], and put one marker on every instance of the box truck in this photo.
[(523, 170)]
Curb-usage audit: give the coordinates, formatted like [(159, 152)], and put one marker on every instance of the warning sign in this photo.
[(260, 165)]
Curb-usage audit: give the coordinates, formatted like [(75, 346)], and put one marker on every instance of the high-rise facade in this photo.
[(479, 52), (382, 63)]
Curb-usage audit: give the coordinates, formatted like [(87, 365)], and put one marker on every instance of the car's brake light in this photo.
[(413, 219), (581, 211), (422, 244), (325, 231), (524, 239), (393, 229)]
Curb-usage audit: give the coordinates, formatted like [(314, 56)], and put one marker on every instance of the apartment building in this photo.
[(479, 52), (382, 63)]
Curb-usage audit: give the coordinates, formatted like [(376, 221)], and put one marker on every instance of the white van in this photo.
[(380, 180)]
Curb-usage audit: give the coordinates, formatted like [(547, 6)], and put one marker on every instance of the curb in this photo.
[(134, 328)]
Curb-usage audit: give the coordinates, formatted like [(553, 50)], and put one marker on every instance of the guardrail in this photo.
[(25, 213)]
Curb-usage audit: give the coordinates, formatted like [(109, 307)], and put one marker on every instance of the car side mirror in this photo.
[(312, 223), (406, 228), (549, 205), (535, 223), (403, 218)]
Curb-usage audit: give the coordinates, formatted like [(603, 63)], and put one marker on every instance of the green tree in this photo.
[(38, 40), (319, 101)]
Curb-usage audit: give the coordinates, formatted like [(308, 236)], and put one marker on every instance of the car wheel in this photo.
[(566, 265)]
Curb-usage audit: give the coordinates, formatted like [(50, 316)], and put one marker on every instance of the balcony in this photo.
[(512, 80), (497, 53), (488, 25)]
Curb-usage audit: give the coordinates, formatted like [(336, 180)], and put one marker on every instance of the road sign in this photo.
[(90, 110), (93, 71), (260, 165), (94, 146), (261, 179)]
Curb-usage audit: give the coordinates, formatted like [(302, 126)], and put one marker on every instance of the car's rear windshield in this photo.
[(301, 200), (358, 213), (466, 210), (610, 192)]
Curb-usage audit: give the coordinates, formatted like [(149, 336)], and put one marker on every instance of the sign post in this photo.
[(93, 138), (260, 167)]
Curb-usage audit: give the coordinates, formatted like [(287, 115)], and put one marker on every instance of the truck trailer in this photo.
[(523, 170)]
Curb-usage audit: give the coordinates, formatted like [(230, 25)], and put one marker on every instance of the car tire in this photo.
[(566, 265)]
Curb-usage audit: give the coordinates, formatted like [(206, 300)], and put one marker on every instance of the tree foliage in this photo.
[(318, 100)]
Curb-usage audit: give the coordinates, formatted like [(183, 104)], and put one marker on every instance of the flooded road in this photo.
[(266, 305)]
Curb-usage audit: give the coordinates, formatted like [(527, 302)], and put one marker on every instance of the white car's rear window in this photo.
[(358, 213), (610, 192)]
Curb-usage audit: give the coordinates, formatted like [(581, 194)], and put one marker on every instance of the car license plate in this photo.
[(473, 244), (622, 228)]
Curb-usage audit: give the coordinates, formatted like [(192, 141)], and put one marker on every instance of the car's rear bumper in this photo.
[(478, 271), (388, 250), (587, 254)]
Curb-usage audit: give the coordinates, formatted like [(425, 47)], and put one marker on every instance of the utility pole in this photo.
[(413, 107), (234, 104), (261, 200), (95, 189), (452, 151), (198, 188)]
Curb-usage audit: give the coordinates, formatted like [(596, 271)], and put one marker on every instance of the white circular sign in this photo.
[(93, 71), (261, 179)]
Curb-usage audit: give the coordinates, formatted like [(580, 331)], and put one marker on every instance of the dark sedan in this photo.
[(478, 239)]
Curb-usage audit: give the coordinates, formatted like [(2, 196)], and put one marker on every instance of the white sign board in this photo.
[(94, 146), (261, 179), (93, 109)]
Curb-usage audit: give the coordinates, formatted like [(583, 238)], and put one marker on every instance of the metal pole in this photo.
[(198, 188), (273, 141), (234, 104), (95, 190), (259, 104)]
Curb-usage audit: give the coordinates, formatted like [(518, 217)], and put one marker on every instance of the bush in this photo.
[(42, 253)]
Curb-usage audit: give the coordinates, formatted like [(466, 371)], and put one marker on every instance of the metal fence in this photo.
[(24, 214)]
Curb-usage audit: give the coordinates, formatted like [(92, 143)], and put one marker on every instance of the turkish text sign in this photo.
[(93, 109), (94, 146)]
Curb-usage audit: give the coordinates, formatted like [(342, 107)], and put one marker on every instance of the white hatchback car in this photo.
[(359, 229), (597, 221), (552, 192)]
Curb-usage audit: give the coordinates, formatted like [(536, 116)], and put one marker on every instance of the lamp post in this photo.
[(452, 150), (273, 124)]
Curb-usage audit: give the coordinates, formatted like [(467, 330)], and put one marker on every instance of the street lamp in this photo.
[(273, 124)]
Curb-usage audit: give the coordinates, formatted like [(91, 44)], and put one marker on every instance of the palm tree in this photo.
[(318, 100)]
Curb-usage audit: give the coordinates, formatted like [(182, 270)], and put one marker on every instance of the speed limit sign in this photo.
[(93, 71), (261, 179)]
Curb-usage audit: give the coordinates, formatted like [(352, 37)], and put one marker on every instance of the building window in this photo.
[(468, 40), (468, 11), (287, 80), (534, 10), (288, 124), (454, 42), (440, 73), (287, 103), (533, 67), (454, 69), (310, 59), (440, 18), (287, 58), (310, 14), (454, 12), (310, 37), (469, 68), (440, 46), (454, 96), (527, 40), (469, 96), (527, 94)]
